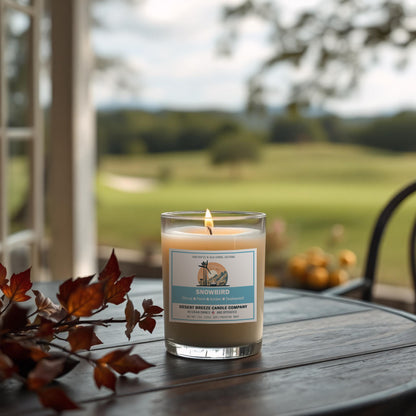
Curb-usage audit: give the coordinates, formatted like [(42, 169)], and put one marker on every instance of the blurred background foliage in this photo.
[(309, 173), (126, 131), (328, 45), (310, 170)]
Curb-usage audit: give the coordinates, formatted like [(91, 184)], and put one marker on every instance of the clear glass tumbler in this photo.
[(213, 283)]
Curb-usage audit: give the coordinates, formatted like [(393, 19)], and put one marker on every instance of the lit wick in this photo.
[(209, 223)]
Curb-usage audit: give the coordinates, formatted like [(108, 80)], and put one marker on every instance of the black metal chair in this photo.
[(365, 284)]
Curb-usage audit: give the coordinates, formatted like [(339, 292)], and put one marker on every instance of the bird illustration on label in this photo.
[(213, 274)]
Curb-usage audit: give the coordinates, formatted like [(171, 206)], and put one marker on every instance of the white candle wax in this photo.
[(208, 310)]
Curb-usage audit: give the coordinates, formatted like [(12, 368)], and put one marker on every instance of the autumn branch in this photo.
[(28, 352)]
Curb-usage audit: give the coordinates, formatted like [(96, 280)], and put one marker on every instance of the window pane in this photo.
[(18, 195), (17, 59)]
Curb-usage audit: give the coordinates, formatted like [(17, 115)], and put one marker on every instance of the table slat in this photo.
[(297, 391), (287, 346)]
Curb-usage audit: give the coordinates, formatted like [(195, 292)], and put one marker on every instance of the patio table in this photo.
[(320, 355)]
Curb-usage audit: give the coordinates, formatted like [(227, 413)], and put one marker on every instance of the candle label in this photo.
[(213, 286)]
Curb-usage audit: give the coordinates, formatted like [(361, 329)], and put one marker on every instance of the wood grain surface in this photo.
[(320, 355)]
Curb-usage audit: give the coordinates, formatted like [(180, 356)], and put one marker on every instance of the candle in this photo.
[(213, 283)]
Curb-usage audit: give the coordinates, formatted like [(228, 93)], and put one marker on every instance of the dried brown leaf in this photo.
[(20, 355), (3, 274), (146, 304), (151, 309), (46, 328), (123, 362), (82, 338), (45, 305), (25, 347), (45, 371), (37, 354), (103, 376), (130, 364), (115, 292), (111, 270), (132, 317), (148, 324), (114, 355), (85, 300), (19, 284), (15, 318), (55, 398), (69, 286)]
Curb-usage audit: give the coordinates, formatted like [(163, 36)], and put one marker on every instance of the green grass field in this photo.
[(310, 187)]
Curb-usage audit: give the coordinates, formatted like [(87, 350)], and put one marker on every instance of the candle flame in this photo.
[(209, 223)]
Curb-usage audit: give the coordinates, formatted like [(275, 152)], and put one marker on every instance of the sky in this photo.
[(171, 48)]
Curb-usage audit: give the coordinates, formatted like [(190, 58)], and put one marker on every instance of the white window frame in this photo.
[(71, 186), (72, 248), (32, 236)]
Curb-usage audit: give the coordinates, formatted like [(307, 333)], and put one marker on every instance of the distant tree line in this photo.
[(136, 131), (396, 133)]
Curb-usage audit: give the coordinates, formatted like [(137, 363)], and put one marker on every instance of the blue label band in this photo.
[(212, 295)]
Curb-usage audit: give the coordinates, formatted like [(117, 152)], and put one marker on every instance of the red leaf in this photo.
[(3, 274), (154, 310), (15, 318), (82, 338), (37, 354), (122, 362), (115, 292), (148, 324), (45, 371), (151, 309), (69, 286), (19, 284), (85, 299), (146, 304), (111, 270), (16, 352), (20, 355), (46, 328), (56, 398), (130, 364), (114, 356), (103, 376)]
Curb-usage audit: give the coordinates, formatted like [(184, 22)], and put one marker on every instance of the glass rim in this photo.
[(216, 215)]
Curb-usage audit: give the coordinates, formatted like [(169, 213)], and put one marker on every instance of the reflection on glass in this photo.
[(18, 189), (17, 60)]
